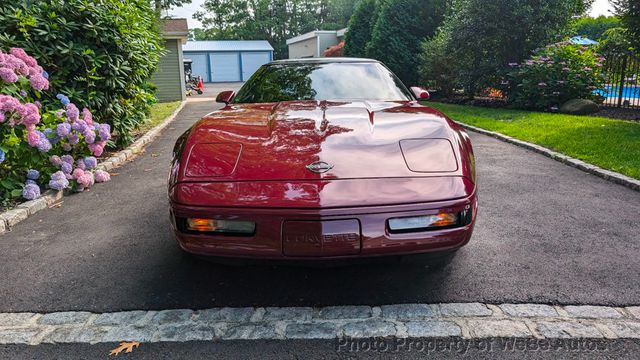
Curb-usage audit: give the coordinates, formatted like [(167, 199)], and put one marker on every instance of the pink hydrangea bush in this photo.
[(43, 143)]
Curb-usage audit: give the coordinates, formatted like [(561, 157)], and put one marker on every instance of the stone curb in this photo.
[(457, 320), (10, 218), (608, 175)]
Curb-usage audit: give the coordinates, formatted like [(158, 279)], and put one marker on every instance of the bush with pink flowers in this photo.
[(43, 144), (554, 75)]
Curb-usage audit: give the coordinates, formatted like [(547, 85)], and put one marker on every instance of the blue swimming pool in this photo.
[(628, 92)]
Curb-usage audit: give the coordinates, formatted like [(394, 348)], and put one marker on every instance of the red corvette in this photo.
[(323, 159)]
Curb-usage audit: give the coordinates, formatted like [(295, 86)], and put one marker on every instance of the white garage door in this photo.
[(251, 61), (225, 67)]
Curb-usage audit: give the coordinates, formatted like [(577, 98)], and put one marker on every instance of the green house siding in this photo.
[(169, 78)]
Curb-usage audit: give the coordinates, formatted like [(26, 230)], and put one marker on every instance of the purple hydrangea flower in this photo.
[(2, 156), (72, 112), (90, 162), (38, 82), (31, 191), (63, 129), (90, 136), (79, 126), (73, 139), (102, 176), (8, 75), (58, 181), (29, 181), (44, 145), (33, 174), (66, 147), (55, 160), (67, 159), (66, 168), (80, 164), (105, 132)]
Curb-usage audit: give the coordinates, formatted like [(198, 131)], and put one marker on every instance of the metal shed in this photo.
[(227, 60)]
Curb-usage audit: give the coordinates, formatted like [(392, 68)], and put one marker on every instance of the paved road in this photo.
[(546, 233), (326, 350)]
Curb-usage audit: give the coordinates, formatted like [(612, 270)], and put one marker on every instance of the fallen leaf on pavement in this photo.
[(154, 155), (113, 174), (57, 205), (127, 347)]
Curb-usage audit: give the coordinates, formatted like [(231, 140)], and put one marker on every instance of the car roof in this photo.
[(325, 60)]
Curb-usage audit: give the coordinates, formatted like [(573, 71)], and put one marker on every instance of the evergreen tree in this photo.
[(401, 27), (360, 28)]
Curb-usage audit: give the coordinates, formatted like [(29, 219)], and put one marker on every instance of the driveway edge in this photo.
[(608, 175), (12, 217), (450, 320)]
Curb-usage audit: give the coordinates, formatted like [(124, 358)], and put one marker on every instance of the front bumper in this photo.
[(270, 241)]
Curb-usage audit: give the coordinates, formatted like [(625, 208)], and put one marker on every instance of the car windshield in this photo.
[(322, 81)]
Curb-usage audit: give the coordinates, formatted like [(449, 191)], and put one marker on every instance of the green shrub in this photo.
[(101, 53), (438, 65), (554, 75)]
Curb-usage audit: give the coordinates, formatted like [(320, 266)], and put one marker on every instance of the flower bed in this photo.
[(44, 143)]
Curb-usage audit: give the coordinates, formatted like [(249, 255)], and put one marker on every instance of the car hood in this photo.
[(320, 140)]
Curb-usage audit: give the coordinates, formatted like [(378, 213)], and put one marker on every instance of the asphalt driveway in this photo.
[(546, 233)]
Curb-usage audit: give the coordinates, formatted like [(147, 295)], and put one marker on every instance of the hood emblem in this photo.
[(319, 167)]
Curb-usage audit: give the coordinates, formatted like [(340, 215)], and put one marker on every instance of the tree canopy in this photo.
[(595, 28), (272, 20), (485, 36), (629, 12)]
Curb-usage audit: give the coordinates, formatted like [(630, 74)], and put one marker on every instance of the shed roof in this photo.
[(228, 45)]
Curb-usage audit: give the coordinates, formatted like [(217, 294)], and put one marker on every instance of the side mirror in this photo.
[(420, 93), (225, 97)]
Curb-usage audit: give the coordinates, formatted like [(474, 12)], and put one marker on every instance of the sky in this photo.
[(600, 7)]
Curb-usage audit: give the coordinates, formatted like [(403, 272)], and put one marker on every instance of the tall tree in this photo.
[(400, 28), (629, 12), (484, 36), (360, 27)]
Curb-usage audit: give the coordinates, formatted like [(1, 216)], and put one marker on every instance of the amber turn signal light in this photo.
[(221, 226), (204, 225)]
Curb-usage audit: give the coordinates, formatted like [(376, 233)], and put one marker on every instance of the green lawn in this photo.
[(610, 144), (159, 112)]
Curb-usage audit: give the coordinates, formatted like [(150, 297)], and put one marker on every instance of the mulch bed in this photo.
[(612, 113), (621, 114)]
